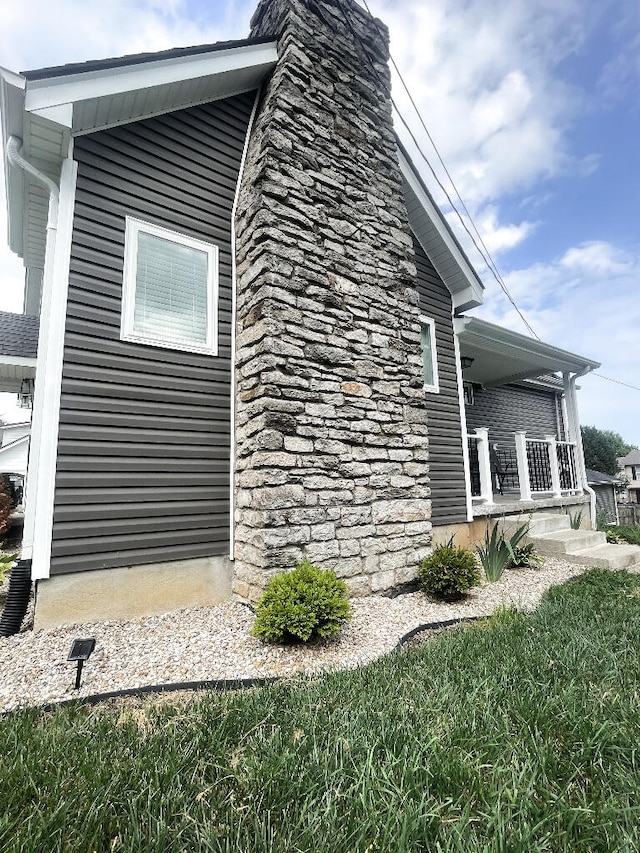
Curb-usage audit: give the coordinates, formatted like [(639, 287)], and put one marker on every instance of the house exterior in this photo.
[(630, 470), (254, 326)]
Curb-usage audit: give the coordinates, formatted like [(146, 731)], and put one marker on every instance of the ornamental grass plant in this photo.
[(499, 553)]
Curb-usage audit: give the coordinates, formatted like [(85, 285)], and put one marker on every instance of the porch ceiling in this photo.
[(501, 356), (13, 370)]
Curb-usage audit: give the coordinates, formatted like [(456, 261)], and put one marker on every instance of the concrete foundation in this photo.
[(132, 592), (469, 534)]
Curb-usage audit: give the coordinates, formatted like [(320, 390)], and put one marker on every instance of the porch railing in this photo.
[(544, 467)]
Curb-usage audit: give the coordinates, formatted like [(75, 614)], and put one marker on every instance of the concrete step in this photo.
[(548, 523), (607, 556), (539, 523), (567, 541)]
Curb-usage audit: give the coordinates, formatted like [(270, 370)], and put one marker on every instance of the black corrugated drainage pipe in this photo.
[(17, 601)]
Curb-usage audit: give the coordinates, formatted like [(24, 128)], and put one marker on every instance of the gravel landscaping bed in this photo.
[(211, 643)]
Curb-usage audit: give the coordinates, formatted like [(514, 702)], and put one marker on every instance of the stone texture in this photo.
[(330, 412)]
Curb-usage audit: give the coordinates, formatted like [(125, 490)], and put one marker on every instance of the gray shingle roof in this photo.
[(599, 477), (18, 335), (632, 458)]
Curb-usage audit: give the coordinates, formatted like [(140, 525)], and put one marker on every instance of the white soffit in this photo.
[(89, 100), (438, 241), (13, 370), (501, 356), (45, 111)]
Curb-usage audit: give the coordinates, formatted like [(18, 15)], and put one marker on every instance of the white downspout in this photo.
[(574, 422), (234, 312), (13, 149)]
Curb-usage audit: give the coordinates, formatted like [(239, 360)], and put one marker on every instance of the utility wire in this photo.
[(491, 265), (617, 381), (485, 255)]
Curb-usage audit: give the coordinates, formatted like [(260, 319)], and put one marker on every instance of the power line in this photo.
[(487, 258), (617, 381), (485, 255)]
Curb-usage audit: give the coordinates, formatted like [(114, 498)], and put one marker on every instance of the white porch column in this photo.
[(552, 450), (575, 435), (523, 465), (484, 464)]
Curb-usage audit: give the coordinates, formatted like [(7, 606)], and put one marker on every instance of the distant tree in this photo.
[(602, 447)]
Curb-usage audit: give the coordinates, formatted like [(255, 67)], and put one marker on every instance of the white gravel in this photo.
[(211, 643)]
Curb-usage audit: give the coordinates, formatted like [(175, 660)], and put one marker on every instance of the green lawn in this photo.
[(519, 734)]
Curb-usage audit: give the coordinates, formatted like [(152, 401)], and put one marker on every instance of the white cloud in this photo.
[(39, 33), (587, 302), (488, 87), (11, 268)]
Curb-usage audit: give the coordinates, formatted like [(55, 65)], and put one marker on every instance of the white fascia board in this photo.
[(18, 361), (471, 296), (38, 522), (12, 88), (68, 89)]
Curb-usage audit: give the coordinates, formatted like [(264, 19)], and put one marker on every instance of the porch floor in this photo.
[(511, 503)]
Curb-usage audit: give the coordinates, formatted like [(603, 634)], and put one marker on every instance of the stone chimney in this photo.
[(331, 422)]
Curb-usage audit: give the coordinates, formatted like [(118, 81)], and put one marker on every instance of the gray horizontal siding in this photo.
[(605, 502), (508, 408), (144, 447), (446, 464)]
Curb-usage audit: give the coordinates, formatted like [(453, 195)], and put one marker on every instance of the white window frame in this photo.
[(430, 322), (132, 229)]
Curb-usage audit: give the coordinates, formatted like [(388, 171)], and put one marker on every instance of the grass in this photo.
[(516, 734)]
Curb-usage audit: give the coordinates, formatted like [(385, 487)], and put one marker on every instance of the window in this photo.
[(468, 393), (170, 289), (429, 355)]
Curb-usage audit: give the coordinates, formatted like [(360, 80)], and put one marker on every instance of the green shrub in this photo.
[(613, 536), (305, 603), (524, 556), (6, 562), (449, 572), (630, 534)]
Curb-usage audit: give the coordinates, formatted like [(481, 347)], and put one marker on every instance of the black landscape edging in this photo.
[(215, 684), (434, 626)]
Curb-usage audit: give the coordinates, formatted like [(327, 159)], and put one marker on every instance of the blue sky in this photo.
[(535, 108)]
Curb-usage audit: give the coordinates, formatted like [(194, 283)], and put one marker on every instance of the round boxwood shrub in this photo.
[(302, 604), (449, 572)]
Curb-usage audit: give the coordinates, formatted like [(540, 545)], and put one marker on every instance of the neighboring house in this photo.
[(630, 470), (14, 451), (256, 328), (606, 489)]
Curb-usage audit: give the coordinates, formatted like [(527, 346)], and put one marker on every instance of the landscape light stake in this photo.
[(80, 652)]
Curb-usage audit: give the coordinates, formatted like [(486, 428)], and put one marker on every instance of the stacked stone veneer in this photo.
[(331, 422)]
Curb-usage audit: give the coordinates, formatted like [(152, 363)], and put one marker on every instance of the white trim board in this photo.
[(43, 454)]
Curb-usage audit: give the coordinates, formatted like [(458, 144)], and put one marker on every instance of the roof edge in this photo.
[(139, 58), (472, 296)]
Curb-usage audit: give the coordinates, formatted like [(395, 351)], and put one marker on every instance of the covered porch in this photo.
[(519, 457)]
